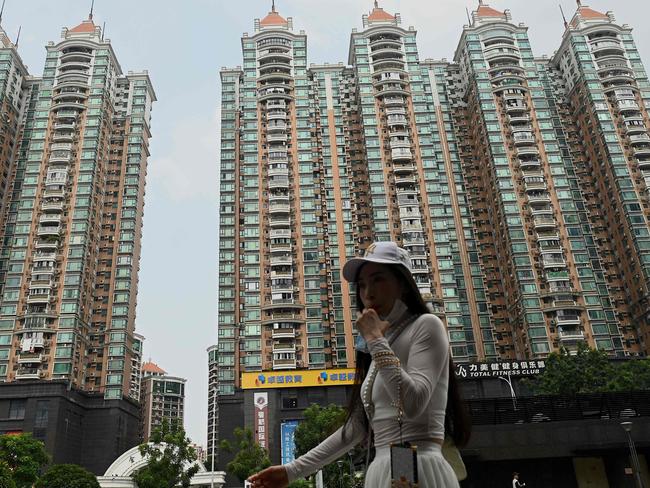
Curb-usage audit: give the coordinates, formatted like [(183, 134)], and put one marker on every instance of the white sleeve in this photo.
[(332, 448), (427, 359)]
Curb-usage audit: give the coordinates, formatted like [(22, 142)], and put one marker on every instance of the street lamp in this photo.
[(627, 427), (339, 463), (508, 380), (214, 422)]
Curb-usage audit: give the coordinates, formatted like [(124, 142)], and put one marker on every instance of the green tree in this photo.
[(589, 371), (6, 480), (170, 459), (67, 476), (24, 456), (318, 425), (250, 457)]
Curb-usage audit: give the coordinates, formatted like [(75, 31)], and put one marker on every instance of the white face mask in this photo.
[(399, 307)]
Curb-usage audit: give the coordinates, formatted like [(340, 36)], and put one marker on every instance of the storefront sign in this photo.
[(261, 411), (287, 431), (296, 379), (502, 368)]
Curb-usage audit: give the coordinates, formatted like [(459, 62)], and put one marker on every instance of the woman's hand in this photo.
[(273, 477), (370, 326)]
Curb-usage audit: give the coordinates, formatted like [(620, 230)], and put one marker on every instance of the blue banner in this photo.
[(287, 431)]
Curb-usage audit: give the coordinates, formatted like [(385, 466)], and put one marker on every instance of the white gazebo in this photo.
[(119, 474)]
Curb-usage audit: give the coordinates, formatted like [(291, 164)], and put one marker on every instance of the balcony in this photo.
[(529, 164), (277, 126), (60, 158), (280, 208), (63, 136), (45, 256), (284, 364), (520, 127), (30, 358), (39, 298), (501, 53), (560, 287), (59, 180), (521, 138), (567, 319), (282, 274), (394, 101), (527, 150), (67, 114), (392, 89), (281, 260), (61, 147), (556, 275), (570, 334), (280, 234), (412, 227), (280, 247), (640, 138), (28, 374), (538, 198), (279, 183), (273, 104), (50, 218), (288, 333), (280, 221), (628, 105), (396, 143), (46, 244), (644, 164), (284, 347), (50, 230), (515, 107), (400, 154), (403, 168), (641, 152), (635, 127), (395, 111), (52, 206), (544, 222), (273, 137), (404, 179), (276, 115), (534, 183), (604, 47), (553, 262)]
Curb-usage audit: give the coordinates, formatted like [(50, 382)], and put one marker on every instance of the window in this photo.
[(42, 414), (17, 409)]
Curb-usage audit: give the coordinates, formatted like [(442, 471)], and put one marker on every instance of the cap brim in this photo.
[(351, 268)]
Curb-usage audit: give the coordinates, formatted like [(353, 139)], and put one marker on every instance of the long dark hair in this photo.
[(457, 421)]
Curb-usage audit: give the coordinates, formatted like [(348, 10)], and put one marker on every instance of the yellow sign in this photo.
[(297, 379)]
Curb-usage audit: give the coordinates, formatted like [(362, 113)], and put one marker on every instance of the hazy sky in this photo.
[(183, 44)]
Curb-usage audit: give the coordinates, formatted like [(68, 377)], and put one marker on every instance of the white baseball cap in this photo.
[(385, 252)]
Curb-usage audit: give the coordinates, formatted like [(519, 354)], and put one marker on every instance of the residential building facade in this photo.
[(162, 399), (73, 218), (490, 169)]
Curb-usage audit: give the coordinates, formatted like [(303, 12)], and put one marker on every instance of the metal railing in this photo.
[(556, 408)]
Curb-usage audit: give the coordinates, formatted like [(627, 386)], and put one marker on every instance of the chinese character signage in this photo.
[(293, 379), (287, 431), (502, 368), (261, 412)]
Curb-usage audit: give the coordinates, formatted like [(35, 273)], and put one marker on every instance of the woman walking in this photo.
[(405, 387)]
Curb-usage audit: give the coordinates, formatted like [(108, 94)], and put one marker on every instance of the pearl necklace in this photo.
[(366, 390)]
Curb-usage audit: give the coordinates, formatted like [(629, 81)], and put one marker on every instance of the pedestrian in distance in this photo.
[(405, 390), (515, 481)]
